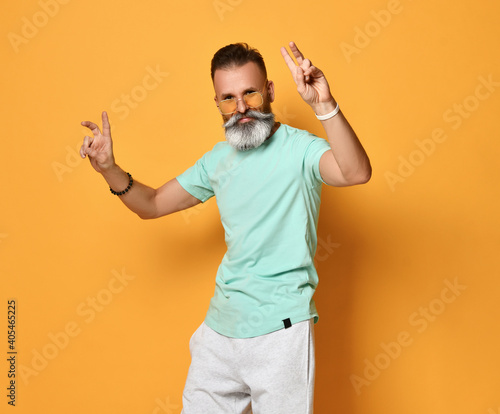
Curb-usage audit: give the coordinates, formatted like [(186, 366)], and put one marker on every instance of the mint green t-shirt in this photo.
[(268, 200)]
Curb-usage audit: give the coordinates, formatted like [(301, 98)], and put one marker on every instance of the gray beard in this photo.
[(248, 135)]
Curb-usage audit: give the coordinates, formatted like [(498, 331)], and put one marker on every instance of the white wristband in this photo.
[(330, 115)]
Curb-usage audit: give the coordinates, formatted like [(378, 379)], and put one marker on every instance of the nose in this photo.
[(241, 105)]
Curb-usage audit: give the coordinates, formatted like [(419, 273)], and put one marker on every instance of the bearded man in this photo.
[(254, 352)]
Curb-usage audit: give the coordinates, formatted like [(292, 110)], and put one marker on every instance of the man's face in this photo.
[(247, 127), (238, 80)]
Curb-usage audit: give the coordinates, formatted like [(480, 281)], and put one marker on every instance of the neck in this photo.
[(275, 128)]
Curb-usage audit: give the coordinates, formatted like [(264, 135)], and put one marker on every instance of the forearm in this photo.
[(347, 150), (140, 198), (347, 163)]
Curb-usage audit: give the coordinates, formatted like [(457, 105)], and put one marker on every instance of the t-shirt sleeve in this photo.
[(316, 148), (195, 180)]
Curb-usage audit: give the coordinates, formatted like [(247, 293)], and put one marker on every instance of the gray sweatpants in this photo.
[(268, 374)]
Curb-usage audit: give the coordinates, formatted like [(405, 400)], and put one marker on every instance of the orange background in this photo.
[(106, 302)]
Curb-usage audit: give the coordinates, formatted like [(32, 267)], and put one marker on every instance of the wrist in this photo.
[(118, 180), (323, 108), (124, 191), (114, 175), (109, 168)]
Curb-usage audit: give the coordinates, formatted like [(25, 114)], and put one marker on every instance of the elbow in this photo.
[(149, 209), (362, 179), (362, 176), (366, 172), (146, 215), (366, 176)]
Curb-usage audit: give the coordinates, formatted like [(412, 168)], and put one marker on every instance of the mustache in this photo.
[(248, 114)]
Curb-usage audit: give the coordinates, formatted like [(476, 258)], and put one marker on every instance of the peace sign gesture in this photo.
[(99, 148), (311, 82)]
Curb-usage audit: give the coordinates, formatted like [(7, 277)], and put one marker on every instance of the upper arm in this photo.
[(332, 174), (172, 197), (330, 170)]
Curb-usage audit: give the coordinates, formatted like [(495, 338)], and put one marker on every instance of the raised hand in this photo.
[(311, 82), (99, 148)]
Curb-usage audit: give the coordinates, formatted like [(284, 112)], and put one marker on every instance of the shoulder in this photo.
[(300, 139), (220, 149), (221, 146), (289, 130)]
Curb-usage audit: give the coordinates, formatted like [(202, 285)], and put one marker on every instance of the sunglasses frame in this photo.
[(243, 98)]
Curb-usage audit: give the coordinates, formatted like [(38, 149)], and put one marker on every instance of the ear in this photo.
[(270, 90)]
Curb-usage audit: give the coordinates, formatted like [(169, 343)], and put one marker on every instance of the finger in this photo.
[(296, 52), (106, 129), (85, 148), (300, 79), (306, 67), (311, 70), (288, 60), (93, 127)]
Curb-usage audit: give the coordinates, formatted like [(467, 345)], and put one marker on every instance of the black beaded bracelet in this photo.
[(130, 182)]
